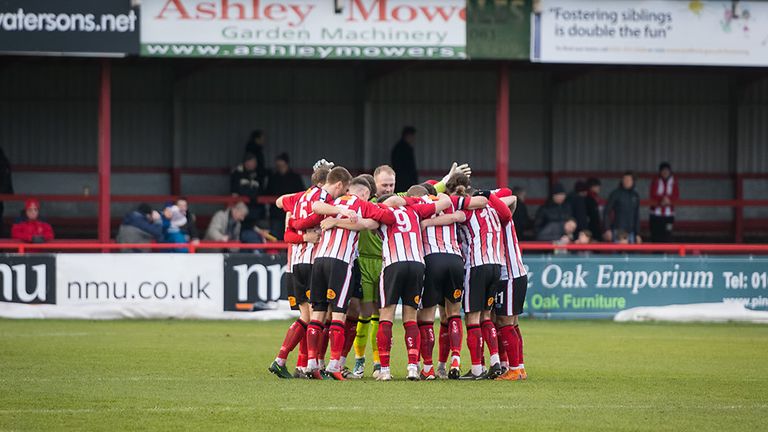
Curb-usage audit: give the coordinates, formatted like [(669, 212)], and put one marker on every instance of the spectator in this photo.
[(403, 160), (520, 217), (592, 202), (226, 224), (29, 228), (255, 146), (282, 181), (6, 185), (584, 237), (190, 231), (244, 182), (551, 216), (142, 225), (664, 193), (561, 233), (173, 220), (578, 202), (622, 211), (622, 237)]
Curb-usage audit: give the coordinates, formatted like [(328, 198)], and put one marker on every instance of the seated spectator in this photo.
[(226, 224), (622, 237), (283, 181), (191, 233), (173, 220), (142, 225), (552, 215), (584, 237), (520, 217), (29, 228)]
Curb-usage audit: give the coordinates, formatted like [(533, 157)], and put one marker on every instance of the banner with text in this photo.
[(603, 286), (72, 27), (726, 33), (304, 29), (249, 286)]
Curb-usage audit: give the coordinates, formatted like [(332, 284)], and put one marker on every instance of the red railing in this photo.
[(681, 249)]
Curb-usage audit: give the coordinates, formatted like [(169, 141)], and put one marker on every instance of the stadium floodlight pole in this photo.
[(104, 149), (502, 127)]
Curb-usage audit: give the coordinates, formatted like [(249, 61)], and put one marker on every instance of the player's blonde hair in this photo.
[(383, 169)]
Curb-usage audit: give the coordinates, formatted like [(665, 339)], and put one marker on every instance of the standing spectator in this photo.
[(244, 182), (6, 185), (592, 202), (282, 181), (173, 220), (404, 161), (142, 225), (226, 224), (551, 216), (622, 211), (578, 202), (520, 217), (190, 231), (255, 146), (29, 228), (664, 193)]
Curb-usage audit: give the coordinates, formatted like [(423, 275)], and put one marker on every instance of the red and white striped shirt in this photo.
[(303, 253), (289, 202), (481, 237), (402, 239), (341, 243), (510, 247), (443, 239), (661, 188)]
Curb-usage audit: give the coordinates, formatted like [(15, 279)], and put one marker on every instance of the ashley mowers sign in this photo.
[(312, 29)]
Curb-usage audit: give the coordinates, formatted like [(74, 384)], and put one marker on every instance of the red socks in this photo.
[(314, 336), (336, 336), (489, 335), (293, 336), (510, 342), (350, 331), (384, 341), (301, 359), (427, 334), (455, 335), (323, 347), (444, 344), (412, 341), (520, 343), (475, 344), (502, 350)]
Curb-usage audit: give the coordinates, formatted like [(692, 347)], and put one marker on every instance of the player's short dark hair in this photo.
[(430, 189), (371, 182), (385, 197), (361, 182), (338, 174)]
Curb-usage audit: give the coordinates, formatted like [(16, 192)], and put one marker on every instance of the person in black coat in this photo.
[(6, 185), (244, 182), (404, 161), (622, 211), (592, 202), (255, 146), (521, 217), (554, 212), (282, 181), (578, 202)]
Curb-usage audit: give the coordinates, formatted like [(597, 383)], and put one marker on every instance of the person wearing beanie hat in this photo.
[(552, 215), (29, 228)]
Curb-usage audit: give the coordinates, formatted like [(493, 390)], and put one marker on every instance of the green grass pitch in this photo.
[(192, 375)]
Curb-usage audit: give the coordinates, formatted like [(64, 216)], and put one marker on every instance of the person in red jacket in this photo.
[(664, 192), (29, 228)]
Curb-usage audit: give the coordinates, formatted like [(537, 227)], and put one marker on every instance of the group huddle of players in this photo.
[(358, 250)]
